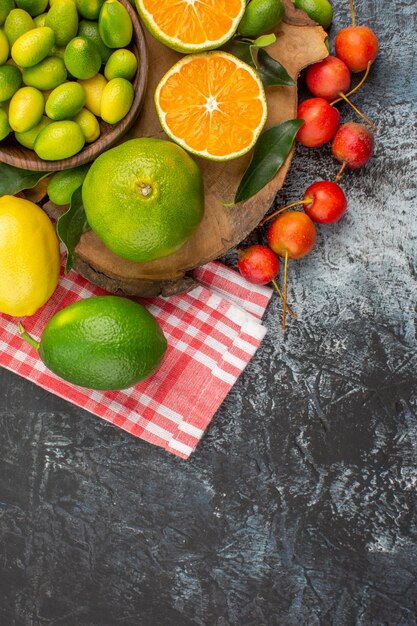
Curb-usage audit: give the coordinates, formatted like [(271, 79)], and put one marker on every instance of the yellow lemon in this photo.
[(26, 109), (29, 257), (93, 88), (89, 125), (116, 100)]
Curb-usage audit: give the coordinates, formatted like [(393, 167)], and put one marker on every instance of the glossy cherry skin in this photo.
[(293, 232), (356, 46), (258, 264), (328, 78), (321, 121), (328, 202), (353, 144)]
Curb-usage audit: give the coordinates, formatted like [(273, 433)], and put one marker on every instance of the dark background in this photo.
[(298, 507)]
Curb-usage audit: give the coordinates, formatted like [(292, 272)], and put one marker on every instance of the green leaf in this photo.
[(14, 179), (272, 73), (265, 40), (241, 50), (71, 226), (271, 150)]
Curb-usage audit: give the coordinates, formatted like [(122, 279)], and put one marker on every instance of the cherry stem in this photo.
[(342, 95), (352, 11), (30, 340), (358, 86), (340, 172), (284, 310), (288, 206), (279, 292)]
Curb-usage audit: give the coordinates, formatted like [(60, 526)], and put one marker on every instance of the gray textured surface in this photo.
[(299, 506)]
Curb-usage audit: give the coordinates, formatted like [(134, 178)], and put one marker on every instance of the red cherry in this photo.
[(320, 122), (356, 46), (258, 264), (353, 145), (327, 202), (328, 78), (292, 233)]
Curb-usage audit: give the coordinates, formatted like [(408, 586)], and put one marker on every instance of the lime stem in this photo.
[(279, 292), (358, 86), (288, 206), (340, 172), (352, 11), (342, 95), (284, 310), (26, 337)]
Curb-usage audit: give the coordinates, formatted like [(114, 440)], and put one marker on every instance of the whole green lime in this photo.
[(46, 75), (4, 47), (261, 16), (144, 198), (59, 140), (10, 81), (26, 109), (90, 30), (65, 101), (121, 64), (5, 7), (116, 100), (63, 19), (115, 24), (17, 22), (82, 58), (32, 47), (90, 9), (320, 11), (33, 7), (106, 343), (63, 184)]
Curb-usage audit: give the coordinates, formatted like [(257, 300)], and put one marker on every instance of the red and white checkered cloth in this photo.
[(212, 334)]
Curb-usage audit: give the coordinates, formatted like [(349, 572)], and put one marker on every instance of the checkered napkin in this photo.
[(212, 334)]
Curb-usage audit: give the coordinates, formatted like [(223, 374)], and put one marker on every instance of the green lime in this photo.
[(261, 16), (82, 58), (59, 140), (17, 23), (5, 128), (90, 9), (115, 24), (116, 100), (94, 88), (46, 75), (33, 7), (4, 47), (144, 198), (10, 81), (121, 64), (40, 20), (63, 184), (89, 125), (28, 138), (320, 11), (5, 7), (65, 101), (104, 342), (90, 31), (63, 19), (32, 47), (26, 109)]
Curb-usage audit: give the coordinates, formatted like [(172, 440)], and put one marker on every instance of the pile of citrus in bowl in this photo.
[(63, 64)]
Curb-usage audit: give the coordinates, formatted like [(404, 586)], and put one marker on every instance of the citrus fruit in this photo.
[(82, 58), (29, 257), (261, 16), (105, 342), (93, 88), (90, 9), (10, 81), (191, 26), (32, 47), (212, 104), (26, 109), (33, 7), (121, 64), (47, 74), (320, 11), (144, 198), (115, 25), (59, 140), (89, 125), (40, 20), (63, 184), (5, 7), (5, 128), (116, 100), (65, 101), (28, 138), (17, 23), (90, 31), (4, 48), (63, 19)]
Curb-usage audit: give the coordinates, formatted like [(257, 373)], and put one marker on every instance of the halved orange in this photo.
[(191, 25), (212, 104)]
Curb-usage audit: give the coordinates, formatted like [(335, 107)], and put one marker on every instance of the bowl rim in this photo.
[(25, 158)]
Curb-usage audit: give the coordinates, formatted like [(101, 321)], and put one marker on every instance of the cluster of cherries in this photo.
[(292, 235)]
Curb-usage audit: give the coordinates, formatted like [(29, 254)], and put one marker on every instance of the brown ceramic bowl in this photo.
[(15, 154)]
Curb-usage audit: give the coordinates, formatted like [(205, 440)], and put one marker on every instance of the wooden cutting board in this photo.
[(299, 43)]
